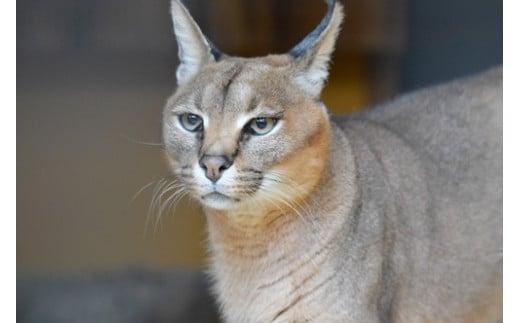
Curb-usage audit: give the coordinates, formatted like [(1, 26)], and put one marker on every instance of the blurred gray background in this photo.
[(92, 78)]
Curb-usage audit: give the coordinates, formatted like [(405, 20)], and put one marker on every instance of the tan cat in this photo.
[(391, 215)]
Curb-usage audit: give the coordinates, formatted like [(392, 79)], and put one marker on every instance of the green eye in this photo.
[(261, 126), (191, 122)]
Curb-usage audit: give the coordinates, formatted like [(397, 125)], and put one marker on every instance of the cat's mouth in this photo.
[(218, 200)]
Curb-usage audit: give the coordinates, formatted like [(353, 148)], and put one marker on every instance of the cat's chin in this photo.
[(219, 201)]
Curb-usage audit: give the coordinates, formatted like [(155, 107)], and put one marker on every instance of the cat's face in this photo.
[(241, 133), (248, 132)]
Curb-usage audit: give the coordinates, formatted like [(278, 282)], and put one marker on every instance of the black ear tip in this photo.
[(311, 38)]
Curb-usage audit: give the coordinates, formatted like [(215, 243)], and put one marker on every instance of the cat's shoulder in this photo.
[(467, 104)]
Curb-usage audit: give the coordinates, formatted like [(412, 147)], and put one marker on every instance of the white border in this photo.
[(511, 161), (8, 160)]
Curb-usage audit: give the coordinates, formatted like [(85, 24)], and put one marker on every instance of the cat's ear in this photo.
[(195, 50), (312, 55)]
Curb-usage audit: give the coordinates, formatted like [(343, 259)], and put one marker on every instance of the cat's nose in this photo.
[(214, 166)]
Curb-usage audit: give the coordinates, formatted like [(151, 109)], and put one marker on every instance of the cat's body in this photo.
[(392, 215), (409, 221)]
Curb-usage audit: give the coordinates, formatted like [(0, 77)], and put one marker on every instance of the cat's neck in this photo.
[(253, 257)]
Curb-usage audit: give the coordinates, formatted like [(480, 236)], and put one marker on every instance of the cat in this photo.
[(391, 215)]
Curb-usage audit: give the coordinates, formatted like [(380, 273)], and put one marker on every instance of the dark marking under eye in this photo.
[(244, 136), (200, 135)]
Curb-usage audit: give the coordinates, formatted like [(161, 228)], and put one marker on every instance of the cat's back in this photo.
[(450, 121), (448, 137), (454, 128), (435, 156)]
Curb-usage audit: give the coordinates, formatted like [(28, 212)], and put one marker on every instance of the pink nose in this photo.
[(214, 166)]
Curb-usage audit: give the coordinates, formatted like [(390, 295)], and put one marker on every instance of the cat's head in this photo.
[(243, 132)]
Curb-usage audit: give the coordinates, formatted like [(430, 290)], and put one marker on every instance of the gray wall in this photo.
[(451, 38)]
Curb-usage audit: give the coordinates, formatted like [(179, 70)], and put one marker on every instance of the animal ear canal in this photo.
[(194, 49), (312, 55)]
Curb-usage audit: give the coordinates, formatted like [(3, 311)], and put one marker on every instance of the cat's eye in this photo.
[(261, 126), (191, 122)]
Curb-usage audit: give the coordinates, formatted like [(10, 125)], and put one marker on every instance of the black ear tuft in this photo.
[(312, 38)]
